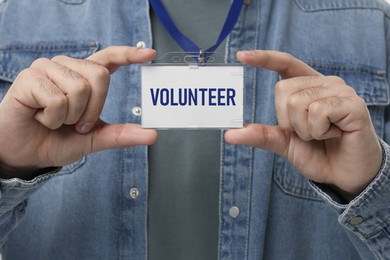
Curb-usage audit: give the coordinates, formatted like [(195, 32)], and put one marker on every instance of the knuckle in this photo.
[(69, 73), (54, 124), (40, 62), (109, 49), (301, 131), (316, 109), (285, 60), (361, 103), (119, 135), (351, 90), (102, 72), (28, 74), (94, 114), (331, 102), (59, 58), (293, 102), (59, 101), (336, 101), (313, 92), (82, 87), (317, 113), (285, 125), (280, 86), (47, 87), (305, 137), (287, 56), (316, 134), (267, 136), (335, 79), (70, 121), (88, 61)]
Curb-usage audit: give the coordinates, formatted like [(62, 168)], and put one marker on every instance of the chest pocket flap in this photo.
[(369, 83), (324, 5), (16, 57)]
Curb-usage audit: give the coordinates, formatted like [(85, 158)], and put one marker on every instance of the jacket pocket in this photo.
[(16, 57), (370, 84)]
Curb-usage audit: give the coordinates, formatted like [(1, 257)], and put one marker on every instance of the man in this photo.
[(96, 206)]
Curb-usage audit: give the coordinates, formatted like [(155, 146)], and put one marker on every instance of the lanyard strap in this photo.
[(184, 42)]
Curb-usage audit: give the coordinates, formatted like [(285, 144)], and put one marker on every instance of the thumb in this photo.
[(114, 57), (107, 136), (268, 137)]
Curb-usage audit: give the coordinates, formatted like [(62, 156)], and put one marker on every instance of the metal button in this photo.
[(134, 193), (356, 220), (140, 45), (234, 212), (136, 111), (247, 2)]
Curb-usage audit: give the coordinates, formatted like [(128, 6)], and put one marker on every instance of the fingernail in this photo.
[(147, 54), (84, 127), (146, 50)]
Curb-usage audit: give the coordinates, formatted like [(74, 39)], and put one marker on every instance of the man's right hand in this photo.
[(50, 115)]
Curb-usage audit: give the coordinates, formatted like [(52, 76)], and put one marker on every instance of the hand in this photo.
[(324, 128), (50, 115)]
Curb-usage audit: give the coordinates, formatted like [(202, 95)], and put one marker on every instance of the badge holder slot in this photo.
[(191, 59)]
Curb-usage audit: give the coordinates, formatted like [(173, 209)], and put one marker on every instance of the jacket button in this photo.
[(140, 45), (234, 212), (134, 193), (356, 220), (136, 111)]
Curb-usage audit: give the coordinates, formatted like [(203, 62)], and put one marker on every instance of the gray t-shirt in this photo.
[(184, 165)]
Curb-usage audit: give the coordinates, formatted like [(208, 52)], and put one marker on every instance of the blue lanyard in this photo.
[(186, 44)]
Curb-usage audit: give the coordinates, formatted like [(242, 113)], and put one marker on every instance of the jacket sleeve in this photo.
[(368, 215), (14, 194)]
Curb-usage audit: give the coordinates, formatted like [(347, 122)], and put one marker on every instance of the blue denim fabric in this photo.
[(85, 211)]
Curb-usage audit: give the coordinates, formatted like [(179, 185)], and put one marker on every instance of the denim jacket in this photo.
[(96, 208)]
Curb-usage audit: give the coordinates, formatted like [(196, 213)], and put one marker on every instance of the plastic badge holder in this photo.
[(190, 94)]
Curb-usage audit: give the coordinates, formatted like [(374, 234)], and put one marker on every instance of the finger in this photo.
[(319, 123), (300, 106), (98, 78), (114, 57), (96, 69), (289, 94), (74, 86), (285, 64), (294, 96), (39, 97), (120, 136), (271, 138), (329, 117)]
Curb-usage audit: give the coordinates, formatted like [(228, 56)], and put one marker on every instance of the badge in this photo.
[(192, 96)]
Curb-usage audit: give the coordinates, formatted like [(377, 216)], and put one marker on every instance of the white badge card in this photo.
[(192, 96)]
